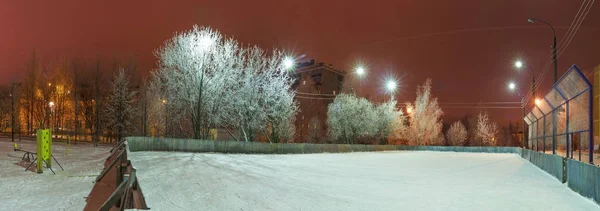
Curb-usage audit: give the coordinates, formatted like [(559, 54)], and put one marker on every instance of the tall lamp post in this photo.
[(519, 65), (554, 56)]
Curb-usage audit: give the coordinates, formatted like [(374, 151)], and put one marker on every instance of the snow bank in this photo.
[(351, 181), (21, 190)]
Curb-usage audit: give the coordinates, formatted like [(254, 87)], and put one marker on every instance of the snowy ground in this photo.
[(21, 190), (351, 181)]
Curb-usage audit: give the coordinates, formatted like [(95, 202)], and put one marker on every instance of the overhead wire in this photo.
[(571, 32)]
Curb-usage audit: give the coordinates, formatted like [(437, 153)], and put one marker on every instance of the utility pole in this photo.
[(554, 57), (12, 114)]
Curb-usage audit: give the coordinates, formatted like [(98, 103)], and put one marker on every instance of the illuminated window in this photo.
[(333, 92), (303, 82)]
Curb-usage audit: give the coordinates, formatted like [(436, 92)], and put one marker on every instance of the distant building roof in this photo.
[(311, 65)]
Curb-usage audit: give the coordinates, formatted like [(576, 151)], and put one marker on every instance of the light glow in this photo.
[(288, 63), (518, 64), (512, 86), (391, 85)]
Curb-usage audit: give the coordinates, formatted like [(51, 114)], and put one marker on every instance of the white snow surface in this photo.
[(350, 181), (28, 190)]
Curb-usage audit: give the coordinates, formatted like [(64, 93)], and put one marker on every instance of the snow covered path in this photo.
[(21, 190), (351, 181)]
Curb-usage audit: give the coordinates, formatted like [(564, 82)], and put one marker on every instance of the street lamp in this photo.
[(360, 71), (554, 56), (538, 102), (519, 64), (288, 63), (409, 110), (390, 86), (512, 86)]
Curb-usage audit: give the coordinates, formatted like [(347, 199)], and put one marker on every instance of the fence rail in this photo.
[(117, 186)]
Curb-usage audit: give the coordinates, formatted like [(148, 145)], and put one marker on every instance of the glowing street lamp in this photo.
[(288, 63), (512, 86), (538, 102), (360, 71), (390, 86), (51, 104), (409, 110), (518, 64)]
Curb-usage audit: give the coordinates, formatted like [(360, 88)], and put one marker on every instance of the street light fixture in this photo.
[(391, 85), (288, 63), (538, 101), (518, 64), (512, 86), (360, 71)]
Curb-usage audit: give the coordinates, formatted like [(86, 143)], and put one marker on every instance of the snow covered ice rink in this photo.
[(27, 190), (350, 181)]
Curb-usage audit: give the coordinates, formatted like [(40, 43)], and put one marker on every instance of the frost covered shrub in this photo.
[(425, 123), (351, 120), (457, 134)]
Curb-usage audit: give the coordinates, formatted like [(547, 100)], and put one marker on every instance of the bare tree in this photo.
[(486, 129), (457, 134), (120, 110), (29, 91), (425, 123), (5, 107)]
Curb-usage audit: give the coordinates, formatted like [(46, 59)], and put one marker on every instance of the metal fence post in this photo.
[(591, 119)]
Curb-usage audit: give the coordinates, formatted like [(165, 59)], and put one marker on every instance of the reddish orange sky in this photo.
[(467, 47)]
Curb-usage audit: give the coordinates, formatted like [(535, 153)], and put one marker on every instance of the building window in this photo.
[(333, 92), (304, 82)]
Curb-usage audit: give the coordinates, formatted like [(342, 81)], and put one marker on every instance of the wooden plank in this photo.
[(116, 195), (109, 167)]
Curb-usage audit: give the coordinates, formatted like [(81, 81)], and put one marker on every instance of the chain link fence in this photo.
[(561, 121)]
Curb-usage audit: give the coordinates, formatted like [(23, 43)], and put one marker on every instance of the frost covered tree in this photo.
[(350, 118), (194, 69), (457, 134), (387, 119), (425, 123), (486, 129), (120, 110), (262, 100), (212, 82)]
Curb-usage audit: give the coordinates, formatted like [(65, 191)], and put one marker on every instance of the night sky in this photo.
[(467, 47)]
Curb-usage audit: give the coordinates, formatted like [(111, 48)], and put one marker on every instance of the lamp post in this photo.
[(512, 87), (519, 65), (554, 56)]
